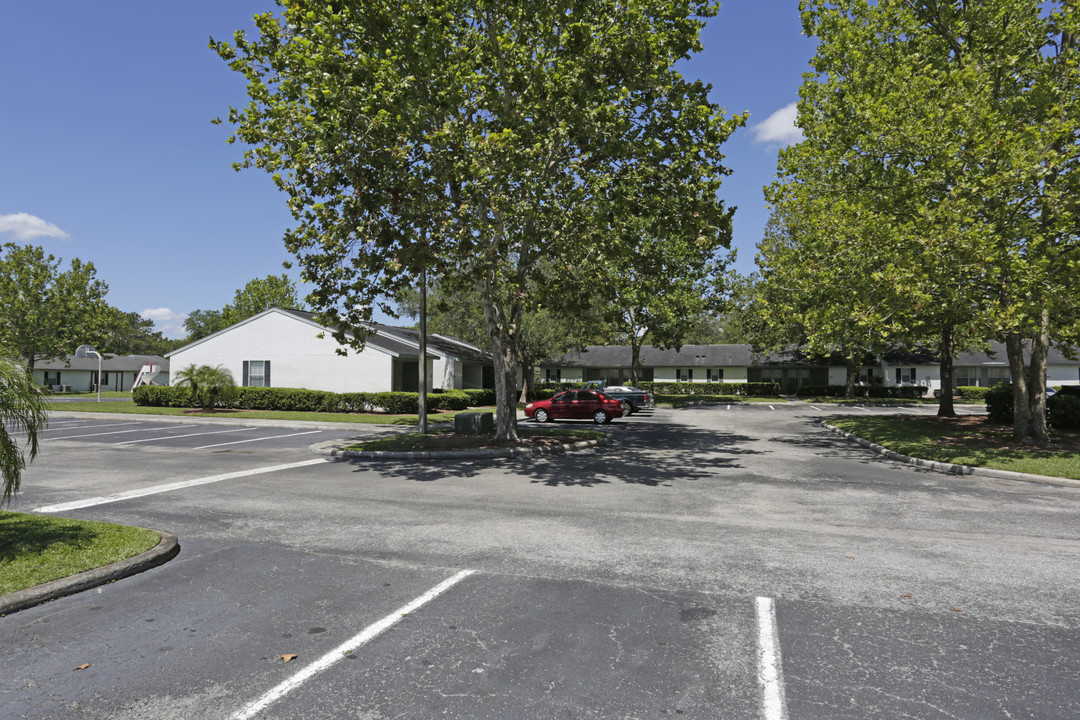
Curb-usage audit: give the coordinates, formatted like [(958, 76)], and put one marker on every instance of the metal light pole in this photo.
[(89, 351)]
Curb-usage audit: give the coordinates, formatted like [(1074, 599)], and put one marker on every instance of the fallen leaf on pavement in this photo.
[(957, 610), (288, 656), (83, 666), (906, 595)]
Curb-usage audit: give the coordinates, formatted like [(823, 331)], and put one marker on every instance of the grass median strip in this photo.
[(968, 440), (36, 549)]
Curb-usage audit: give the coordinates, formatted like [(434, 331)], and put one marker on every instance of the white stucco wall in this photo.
[(298, 358)]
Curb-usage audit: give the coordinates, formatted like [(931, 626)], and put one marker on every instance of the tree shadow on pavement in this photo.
[(649, 454)]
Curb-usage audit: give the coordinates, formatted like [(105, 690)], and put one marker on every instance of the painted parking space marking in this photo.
[(351, 645), (169, 487), (173, 437), (111, 432), (82, 426), (770, 674), (271, 437)]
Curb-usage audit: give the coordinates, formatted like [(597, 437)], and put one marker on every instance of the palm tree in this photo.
[(209, 385), (23, 409)]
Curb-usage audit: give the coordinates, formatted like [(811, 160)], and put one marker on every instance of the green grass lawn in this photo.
[(369, 418), (885, 401), (35, 549), (104, 394), (967, 440)]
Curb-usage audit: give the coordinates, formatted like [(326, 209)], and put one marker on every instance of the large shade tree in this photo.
[(483, 142), (46, 311), (952, 128)]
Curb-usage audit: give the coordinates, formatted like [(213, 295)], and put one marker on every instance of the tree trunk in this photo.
[(948, 352), (1014, 345), (528, 384), (635, 360), (1037, 431), (852, 366)]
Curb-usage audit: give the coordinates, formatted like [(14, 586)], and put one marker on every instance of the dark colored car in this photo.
[(576, 404)]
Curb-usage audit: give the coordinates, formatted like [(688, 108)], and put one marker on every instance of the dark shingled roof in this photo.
[(109, 363), (618, 356)]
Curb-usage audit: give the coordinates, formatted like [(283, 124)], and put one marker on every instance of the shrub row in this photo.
[(968, 392), (1062, 409), (864, 391), (300, 400), (680, 400)]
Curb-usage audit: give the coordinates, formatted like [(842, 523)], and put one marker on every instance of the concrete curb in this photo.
[(953, 469), (333, 448), (166, 549)]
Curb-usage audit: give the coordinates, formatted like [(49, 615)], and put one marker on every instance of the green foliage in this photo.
[(163, 396), (448, 400), (999, 403), (910, 392), (128, 333), (45, 313), (1069, 390), (966, 392), (23, 408), (258, 295), (480, 397), (210, 386), (487, 144), (1063, 411), (747, 389)]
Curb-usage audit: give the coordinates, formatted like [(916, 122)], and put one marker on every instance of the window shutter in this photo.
[(244, 382), (266, 374), (899, 376)]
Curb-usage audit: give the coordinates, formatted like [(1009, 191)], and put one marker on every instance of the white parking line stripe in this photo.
[(771, 407), (170, 437), (860, 407), (816, 408), (95, 427), (112, 432), (271, 437), (154, 489), (354, 643), (769, 672)]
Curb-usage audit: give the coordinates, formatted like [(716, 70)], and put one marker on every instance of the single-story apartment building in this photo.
[(289, 348), (118, 372), (738, 363)]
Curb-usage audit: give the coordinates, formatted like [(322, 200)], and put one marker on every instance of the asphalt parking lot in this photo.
[(713, 562)]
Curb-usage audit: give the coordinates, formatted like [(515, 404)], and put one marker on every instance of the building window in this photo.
[(714, 375), (256, 373), (553, 375), (684, 374), (52, 378), (905, 376)]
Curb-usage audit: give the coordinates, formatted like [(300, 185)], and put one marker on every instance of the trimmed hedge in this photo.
[(1062, 409), (301, 400), (680, 400), (969, 392), (908, 392)]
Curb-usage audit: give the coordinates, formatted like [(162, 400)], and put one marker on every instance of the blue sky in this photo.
[(107, 152)]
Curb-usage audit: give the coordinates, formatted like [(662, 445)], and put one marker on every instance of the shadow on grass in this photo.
[(651, 454), (22, 535)]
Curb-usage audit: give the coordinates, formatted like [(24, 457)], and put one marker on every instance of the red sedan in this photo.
[(576, 404)]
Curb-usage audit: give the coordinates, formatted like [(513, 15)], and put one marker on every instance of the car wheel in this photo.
[(627, 409), (541, 416), (600, 417)]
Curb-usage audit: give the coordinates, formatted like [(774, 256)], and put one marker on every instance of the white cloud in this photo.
[(779, 127), (29, 227), (166, 321)]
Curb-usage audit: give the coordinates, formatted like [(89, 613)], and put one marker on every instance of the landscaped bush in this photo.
[(1069, 390), (747, 389), (1063, 411), (682, 400), (287, 400), (908, 392), (999, 403), (448, 400), (480, 397), (163, 396), (968, 392)]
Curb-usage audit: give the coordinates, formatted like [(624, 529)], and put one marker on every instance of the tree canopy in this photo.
[(23, 408), (257, 295), (940, 162), (46, 312), (485, 142)]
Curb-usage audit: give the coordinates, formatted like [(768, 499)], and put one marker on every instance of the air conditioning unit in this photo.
[(65, 388)]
